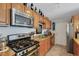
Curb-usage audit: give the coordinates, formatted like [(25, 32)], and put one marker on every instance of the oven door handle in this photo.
[(35, 51)]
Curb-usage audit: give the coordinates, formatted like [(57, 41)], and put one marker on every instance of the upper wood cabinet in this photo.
[(75, 21), (18, 6), (47, 23), (36, 20), (8, 13), (4, 13), (28, 11)]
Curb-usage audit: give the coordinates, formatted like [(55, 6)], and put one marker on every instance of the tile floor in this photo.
[(58, 50)]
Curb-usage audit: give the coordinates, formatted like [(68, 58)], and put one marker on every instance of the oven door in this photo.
[(34, 53)]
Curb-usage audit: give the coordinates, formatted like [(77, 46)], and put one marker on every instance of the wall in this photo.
[(13, 30), (60, 33)]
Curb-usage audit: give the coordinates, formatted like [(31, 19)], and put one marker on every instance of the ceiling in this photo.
[(57, 11)]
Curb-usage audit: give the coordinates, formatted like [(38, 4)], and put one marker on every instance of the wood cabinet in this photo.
[(48, 43), (75, 23), (52, 41), (47, 23), (2, 13), (45, 45), (36, 20), (8, 13), (28, 11), (18, 6), (42, 48), (76, 48), (5, 13)]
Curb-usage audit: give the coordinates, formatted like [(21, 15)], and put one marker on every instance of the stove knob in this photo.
[(23, 53), (18, 54), (26, 51)]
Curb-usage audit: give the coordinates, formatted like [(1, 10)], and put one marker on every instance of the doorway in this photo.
[(60, 33)]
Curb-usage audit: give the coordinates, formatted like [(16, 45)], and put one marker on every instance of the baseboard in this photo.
[(60, 45)]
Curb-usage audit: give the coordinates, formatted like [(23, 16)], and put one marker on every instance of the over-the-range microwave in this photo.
[(21, 19)]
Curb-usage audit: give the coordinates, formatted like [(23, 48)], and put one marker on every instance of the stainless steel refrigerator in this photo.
[(69, 35)]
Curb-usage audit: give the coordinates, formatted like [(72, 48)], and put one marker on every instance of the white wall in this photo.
[(60, 33), (13, 30)]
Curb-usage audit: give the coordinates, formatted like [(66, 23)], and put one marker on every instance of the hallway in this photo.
[(58, 50)]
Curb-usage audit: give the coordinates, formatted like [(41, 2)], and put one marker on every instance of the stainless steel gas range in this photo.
[(22, 45)]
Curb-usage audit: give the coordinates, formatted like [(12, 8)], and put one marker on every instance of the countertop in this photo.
[(76, 40), (42, 38), (7, 53)]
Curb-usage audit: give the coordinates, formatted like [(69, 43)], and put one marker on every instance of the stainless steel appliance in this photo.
[(39, 29), (69, 37), (22, 44), (21, 19)]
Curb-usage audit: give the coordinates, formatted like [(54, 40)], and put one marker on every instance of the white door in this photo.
[(60, 33)]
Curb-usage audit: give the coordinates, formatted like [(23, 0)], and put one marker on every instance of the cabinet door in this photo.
[(47, 23), (28, 11), (36, 20), (46, 45), (41, 48), (52, 41), (76, 49), (18, 6), (49, 43), (44, 26), (3, 13), (75, 21), (8, 13)]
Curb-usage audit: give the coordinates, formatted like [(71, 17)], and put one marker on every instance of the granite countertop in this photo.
[(40, 38), (76, 40), (10, 52)]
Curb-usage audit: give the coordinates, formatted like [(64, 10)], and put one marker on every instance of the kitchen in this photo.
[(26, 31)]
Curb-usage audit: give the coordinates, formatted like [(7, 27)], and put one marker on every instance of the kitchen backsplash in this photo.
[(13, 30)]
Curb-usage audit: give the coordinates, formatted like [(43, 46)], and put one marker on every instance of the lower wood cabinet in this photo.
[(41, 48), (45, 45), (76, 48)]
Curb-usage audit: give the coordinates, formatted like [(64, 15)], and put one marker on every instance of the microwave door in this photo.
[(29, 22), (19, 20)]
